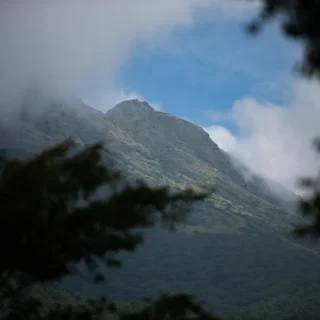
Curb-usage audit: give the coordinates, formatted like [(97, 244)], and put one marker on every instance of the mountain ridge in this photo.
[(237, 232), (195, 146), (148, 144)]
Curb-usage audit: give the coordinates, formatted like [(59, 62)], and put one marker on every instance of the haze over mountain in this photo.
[(237, 239), (155, 146)]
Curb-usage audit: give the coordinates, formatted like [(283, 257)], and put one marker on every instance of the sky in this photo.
[(209, 67), (191, 58)]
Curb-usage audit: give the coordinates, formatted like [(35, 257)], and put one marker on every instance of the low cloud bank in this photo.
[(275, 141)]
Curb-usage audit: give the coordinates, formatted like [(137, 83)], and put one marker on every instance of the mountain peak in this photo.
[(139, 115), (131, 107)]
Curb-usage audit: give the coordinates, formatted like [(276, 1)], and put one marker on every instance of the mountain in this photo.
[(177, 152), (270, 190), (301, 305), (233, 252)]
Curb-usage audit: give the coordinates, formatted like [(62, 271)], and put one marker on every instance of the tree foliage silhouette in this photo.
[(299, 21), (67, 206), (310, 205)]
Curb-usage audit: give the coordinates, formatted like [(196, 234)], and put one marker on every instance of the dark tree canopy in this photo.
[(66, 206), (310, 206), (300, 21)]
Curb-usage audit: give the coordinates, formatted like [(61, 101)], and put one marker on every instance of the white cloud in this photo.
[(72, 47), (222, 137), (156, 106), (275, 141), (236, 8), (111, 98)]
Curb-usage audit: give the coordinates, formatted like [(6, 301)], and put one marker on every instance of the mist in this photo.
[(68, 48), (275, 141)]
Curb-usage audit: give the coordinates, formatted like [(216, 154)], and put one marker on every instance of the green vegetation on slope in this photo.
[(302, 305), (233, 252)]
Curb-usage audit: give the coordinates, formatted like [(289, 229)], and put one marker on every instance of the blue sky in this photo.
[(211, 65)]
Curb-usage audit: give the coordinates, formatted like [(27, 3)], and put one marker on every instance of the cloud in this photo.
[(274, 140), (236, 8), (70, 47), (111, 98), (222, 137), (156, 106)]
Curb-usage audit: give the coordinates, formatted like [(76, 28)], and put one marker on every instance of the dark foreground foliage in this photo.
[(300, 21), (65, 208)]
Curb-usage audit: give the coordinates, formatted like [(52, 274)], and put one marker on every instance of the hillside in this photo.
[(301, 305), (176, 152), (161, 149), (234, 250)]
